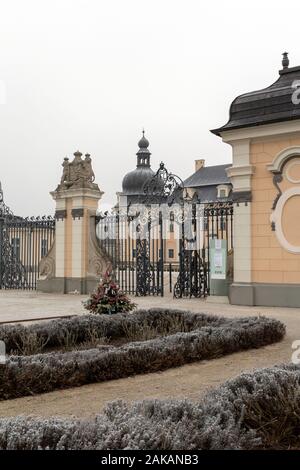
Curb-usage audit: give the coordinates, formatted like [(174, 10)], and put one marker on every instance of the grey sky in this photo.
[(90, 74)]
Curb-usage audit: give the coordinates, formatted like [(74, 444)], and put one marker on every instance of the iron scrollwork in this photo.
[(164, 187), (192, 278)]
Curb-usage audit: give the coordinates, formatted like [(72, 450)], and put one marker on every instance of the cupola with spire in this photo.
[(143, 154), (134, 182)]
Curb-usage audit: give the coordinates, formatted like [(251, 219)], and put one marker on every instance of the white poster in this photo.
[(218, 244), (218, 259)]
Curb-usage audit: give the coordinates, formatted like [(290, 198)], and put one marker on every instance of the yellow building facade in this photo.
[(264, 133)]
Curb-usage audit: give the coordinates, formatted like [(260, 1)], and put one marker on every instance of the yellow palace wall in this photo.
[(270, 262)]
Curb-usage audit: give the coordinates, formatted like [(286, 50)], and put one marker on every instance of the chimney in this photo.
[(199, 164)]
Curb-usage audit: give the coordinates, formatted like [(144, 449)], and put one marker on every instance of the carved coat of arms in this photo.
[(77, 173)]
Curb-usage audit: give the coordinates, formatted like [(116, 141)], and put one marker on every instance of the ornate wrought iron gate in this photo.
[(23, 243), (137, 238), (205, 222), (136, 254)]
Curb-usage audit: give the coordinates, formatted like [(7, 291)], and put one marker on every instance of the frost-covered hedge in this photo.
[(52, 333), (213, 337), (259, 410)]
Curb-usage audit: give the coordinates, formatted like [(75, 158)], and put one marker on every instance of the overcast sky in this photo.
[(90, 74)]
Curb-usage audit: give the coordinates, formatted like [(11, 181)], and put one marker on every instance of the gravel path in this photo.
[(189, 381)]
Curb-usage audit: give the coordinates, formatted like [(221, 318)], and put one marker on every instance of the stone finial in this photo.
[(285, 60)]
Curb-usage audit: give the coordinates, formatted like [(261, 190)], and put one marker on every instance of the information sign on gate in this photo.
[(218, 258)]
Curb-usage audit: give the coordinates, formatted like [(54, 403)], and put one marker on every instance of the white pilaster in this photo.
[(240, 175), (242, 242), (60, 248), (77, 247)]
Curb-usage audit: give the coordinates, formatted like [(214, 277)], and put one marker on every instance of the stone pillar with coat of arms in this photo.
[(75, 261)]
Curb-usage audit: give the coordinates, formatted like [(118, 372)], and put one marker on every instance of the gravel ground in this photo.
[(190, 380)]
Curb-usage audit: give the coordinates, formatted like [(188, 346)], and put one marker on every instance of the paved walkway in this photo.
[(26, 305), (190, 380)]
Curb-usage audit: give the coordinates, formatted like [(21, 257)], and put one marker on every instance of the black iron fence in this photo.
[(23, 243)]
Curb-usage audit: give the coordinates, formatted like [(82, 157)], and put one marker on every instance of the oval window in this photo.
[(287, 219)]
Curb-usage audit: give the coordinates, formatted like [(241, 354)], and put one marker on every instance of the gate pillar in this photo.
[(75, 261)]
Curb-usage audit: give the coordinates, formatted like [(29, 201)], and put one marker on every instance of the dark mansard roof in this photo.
[(266, 106)]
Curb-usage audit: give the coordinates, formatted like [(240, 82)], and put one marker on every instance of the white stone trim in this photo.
[(263, 130), (242, 243), (287, 170), (73, 193), (240, 174), (60, 204), (246, 170), (281, 158), (240, 152), (222, 187), (60, 248), (276, 217), (241, 171), (77, 232)]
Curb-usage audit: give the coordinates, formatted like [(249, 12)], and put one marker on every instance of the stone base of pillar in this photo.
[(241, 294), (265, 294), (65, 285)]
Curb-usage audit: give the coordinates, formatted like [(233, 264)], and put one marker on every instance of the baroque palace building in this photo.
[(264, 133)]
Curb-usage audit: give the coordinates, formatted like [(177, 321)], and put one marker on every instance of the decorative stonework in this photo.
[(282, 157), (77, 213), (290, 168), (98, 262), (47, 264), (242, 196), (284, 219), (60, 214), (277, 220), (77, 173)]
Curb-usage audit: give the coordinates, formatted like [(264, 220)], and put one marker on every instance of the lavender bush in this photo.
[(53, 334), (209, 337), (259, 410)]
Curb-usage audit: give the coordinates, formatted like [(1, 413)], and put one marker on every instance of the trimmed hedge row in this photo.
[(27, 375), (260, 410), (110, 326)]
